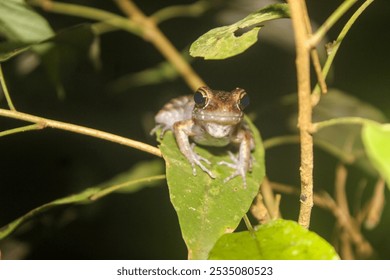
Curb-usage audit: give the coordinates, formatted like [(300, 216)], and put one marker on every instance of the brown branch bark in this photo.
[(297, 8)]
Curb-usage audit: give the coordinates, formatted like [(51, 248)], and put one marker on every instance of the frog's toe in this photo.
[(204, 168), (238, 172), (230, 164), (197, 161), (200, 158)]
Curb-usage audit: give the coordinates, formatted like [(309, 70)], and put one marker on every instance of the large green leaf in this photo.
[(140, 176), (20, 23), (208, 208), (231, 40), (376, 139), (276, 240)]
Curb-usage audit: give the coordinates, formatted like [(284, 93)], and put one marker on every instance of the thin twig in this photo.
[(314, 56), (340, 121), (117, 187), (376, 205), (153, 34), (43, 122), (5, 90), (259, 210), (332, 51), (20, 129), (340, 191), (190, 10), (89, 13), (269, 198), (305, 109), (346, 251), (329, 22), (249, 225), (280, 140)]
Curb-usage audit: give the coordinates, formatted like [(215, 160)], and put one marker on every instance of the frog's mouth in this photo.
[(221, 118), (217, 130)]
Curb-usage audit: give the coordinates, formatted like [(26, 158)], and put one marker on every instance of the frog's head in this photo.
[(219, 112)]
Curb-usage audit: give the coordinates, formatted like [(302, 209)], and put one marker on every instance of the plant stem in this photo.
[(335, 45), (249, 225), (137, 23), (43, 122), (314, 53), (153, 34), (20, 129), (338, 121), (89, 13), (330, 21), (5, 90), (114, 188), (189, 10), (305, 109), (280, 140)]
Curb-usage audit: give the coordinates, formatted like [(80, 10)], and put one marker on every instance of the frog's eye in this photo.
[(200, 99), (244, 102)]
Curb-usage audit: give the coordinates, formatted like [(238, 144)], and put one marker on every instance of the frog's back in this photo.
[(177, 109)]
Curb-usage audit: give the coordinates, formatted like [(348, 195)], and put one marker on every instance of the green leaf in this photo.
[(20, 23), (11, 49), (231, 40), (276, 240), (208, 208), (128, 182), (376, 139)]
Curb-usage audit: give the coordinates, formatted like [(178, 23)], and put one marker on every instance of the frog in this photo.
[(212, 118)]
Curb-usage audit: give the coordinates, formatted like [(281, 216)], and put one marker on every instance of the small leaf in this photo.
[(276, 240), (231, 40), (376, 139), (208, 208)]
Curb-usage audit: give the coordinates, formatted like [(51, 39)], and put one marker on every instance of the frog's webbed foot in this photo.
[(196, 159), (240, 168)]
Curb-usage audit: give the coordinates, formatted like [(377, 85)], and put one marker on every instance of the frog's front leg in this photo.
[(243, 162), (182, 131)]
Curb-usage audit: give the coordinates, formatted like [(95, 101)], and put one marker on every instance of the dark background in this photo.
[(40, 166)]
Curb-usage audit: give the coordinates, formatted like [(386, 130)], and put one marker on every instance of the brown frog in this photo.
[(210, 118)]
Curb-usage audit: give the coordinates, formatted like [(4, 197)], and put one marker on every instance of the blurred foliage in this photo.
[(41, 166)]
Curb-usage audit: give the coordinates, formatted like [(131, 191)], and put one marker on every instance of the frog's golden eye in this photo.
[(200, 99), (244, 101)]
